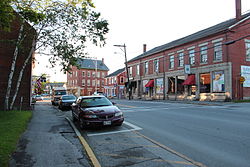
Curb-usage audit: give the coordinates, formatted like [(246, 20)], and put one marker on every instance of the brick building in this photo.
[(115, 83), (7, 47), (88, 79), (206, 65)]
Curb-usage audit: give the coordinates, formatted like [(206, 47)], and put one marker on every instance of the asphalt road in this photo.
[(216, 136)]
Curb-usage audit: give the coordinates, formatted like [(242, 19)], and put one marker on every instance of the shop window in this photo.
[(180, 86), (171, 85), (217, 51), (218, 81), (191, 57), (203, 52), (205, 83)]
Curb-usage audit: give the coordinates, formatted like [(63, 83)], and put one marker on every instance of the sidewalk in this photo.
[(49, 141)]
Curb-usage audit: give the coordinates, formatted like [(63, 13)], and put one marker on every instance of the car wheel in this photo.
[(73, 117), (81, 123)]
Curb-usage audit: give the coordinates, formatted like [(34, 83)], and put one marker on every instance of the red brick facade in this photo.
[(223, 60), (115, 85), (7, 47), (84, 82)]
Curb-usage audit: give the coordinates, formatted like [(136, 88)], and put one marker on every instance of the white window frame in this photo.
[(191, 57), (247, 43), (138, 69), (146, 67), (171, 61), (83, 73), (181, 59), (83, 82), (203, 54), (218, 51), (156, 65)]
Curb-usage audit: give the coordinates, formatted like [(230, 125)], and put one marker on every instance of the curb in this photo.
[(86, 146)]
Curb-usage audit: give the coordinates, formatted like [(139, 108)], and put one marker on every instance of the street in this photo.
[(205, 135)]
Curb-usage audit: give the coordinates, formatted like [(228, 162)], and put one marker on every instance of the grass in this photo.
[(241, 101), (12, 125)]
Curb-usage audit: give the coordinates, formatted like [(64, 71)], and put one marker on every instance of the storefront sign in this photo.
[(159, 85), (218, 81), (245, 72)]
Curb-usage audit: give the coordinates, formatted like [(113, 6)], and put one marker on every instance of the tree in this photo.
[(63, 28)]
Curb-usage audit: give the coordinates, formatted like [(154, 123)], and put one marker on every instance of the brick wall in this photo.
[(7, 46)]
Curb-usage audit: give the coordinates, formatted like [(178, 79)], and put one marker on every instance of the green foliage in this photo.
[(64, 28), (6, 14), (12, 125)]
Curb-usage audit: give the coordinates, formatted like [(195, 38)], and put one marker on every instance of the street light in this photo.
[(126, 65)]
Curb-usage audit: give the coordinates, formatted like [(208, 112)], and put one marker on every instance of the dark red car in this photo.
[(92, 111)]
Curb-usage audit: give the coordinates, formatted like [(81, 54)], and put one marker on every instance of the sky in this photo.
[(150, 22)]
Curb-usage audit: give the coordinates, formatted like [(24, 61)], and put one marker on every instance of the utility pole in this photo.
[(126, 66)]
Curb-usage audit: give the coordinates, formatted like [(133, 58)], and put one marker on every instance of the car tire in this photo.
[(81, 125), (73, 117)]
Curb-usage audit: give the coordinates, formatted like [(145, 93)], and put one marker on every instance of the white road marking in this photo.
[(120, 131)]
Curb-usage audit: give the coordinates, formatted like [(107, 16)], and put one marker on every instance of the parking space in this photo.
[(116, 148)]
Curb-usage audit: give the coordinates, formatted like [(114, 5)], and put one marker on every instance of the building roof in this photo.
[(91, 64), (116, 73), (193, 37)]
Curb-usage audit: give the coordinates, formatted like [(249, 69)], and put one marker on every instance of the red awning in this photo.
[(190, 80), (150, 83)]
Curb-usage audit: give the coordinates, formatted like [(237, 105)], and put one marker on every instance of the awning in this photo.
[(150, 83), (190, 80)]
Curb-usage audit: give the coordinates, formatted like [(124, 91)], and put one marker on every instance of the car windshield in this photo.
[(95, 102), (60, 93), (69, 98)]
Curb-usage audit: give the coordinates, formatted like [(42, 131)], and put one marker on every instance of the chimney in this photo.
[(103, 60), (144, 48), (238, 9)]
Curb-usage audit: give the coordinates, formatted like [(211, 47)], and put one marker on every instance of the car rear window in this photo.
[(69, 98), (95, 102)]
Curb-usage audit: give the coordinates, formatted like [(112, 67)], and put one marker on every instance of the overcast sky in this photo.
[(138, 22)]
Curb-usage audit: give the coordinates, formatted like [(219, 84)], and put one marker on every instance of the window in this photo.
[(83, 73), (98, 74), (103, 74), (181, 59), (93, 82), (156, 65), (217, 51), (146, 67), (88, 82), (171, 61), (88, 73), (121, 80), (247, 50), (205, 83), (76, 73), (203, 52), (191, 57), (130, 71), (137, 69), (98, 83), (93, 74), (83, 82)]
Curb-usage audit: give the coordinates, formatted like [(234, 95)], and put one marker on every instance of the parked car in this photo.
[(92, 111), (66, 101), (38, 98)]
